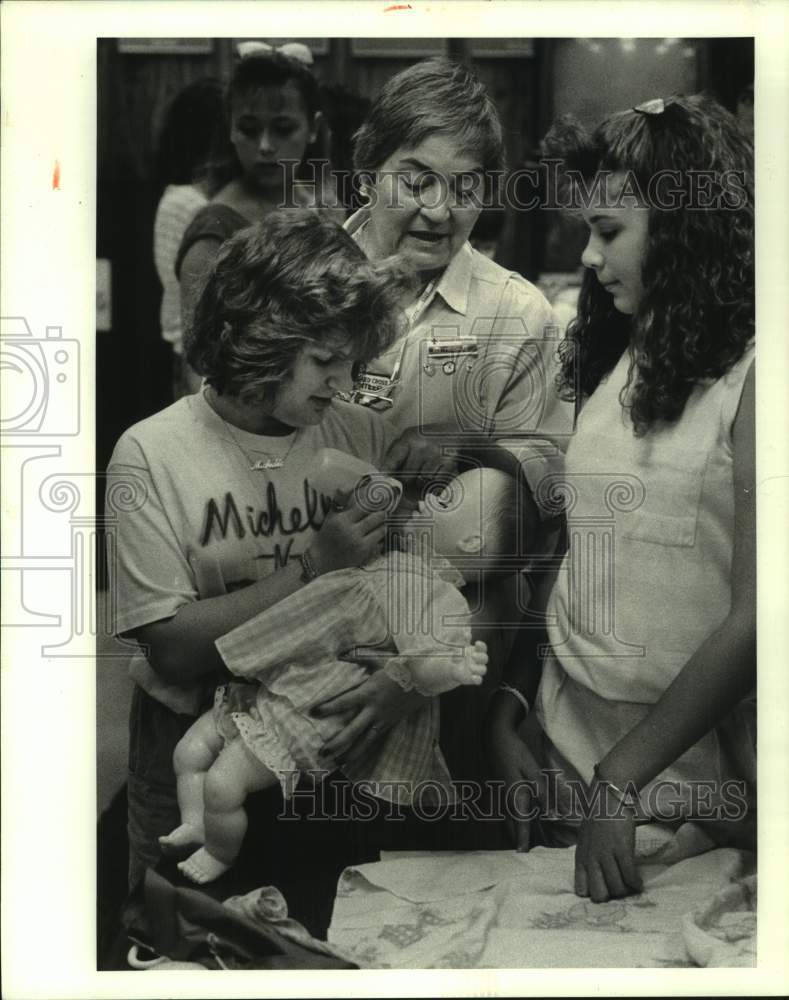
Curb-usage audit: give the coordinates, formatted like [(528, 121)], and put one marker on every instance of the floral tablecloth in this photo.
[(501, 909)]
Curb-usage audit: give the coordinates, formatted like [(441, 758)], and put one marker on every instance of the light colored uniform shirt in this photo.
[(504, 385)]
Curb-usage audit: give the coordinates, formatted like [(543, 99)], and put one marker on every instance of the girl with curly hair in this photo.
[(645, 709)]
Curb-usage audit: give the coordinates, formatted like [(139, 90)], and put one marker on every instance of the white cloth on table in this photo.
[(722, 932), (503, 909)]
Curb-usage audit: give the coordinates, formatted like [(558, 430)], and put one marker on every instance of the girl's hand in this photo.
[(416, 456), (373, 707), (605, 858), (512, 762), (349, 536)]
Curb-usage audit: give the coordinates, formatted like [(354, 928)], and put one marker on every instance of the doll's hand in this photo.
[(605, 858), (416, 456), (511, 762), (374, 707), (350, 535)]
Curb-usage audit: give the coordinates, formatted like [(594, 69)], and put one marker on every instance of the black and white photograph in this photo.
[(382, 534)]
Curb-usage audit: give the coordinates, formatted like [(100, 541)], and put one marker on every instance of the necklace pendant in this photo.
[(263, 464)]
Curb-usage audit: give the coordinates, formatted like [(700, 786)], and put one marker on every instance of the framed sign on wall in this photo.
[(166, 46)]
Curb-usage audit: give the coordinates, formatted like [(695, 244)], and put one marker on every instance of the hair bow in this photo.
[(654, 107), (297, 51)]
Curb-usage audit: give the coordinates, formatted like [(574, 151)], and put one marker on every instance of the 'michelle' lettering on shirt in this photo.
[(223, 518)]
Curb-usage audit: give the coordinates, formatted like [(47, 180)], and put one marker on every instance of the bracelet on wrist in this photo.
[(627, 799), (308, 570), (515, 694)]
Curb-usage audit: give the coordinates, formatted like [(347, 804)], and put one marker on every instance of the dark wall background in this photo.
[(531, 80)]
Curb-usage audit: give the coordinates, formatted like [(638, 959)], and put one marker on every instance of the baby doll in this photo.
[(402, 612)]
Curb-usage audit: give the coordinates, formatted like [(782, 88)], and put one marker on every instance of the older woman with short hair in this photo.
[(481, 339), (476, 362)]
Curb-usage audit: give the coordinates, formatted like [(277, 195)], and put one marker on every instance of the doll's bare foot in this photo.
[(183, 837), (439, 675), (202, 867), (472, 667)]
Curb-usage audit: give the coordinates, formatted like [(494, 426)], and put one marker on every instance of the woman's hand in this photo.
[(416, 455), (513, 763), (371, 709), (349, 536), (605, 858)]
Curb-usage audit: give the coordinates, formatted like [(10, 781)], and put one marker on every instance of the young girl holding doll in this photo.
[(215, 498), (646, 698), (401, 613)]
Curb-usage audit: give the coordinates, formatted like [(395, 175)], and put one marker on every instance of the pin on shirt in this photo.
[(448, 351)]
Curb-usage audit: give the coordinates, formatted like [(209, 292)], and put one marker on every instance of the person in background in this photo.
[(487, 232), (647, 694), (273, 116), (186, 139)]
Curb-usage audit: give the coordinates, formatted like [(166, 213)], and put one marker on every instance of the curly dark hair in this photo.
[(696, 315), (293, 279)]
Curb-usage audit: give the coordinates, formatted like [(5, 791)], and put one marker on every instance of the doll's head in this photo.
[(472, 521), (666, 191)]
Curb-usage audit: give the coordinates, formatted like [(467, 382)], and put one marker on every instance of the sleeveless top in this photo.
[(647, 575)]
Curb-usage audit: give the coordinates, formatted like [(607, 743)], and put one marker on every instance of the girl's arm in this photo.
[(718, 675), (194, 269)]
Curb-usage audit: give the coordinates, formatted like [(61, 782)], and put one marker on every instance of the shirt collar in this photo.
[(453, 285)]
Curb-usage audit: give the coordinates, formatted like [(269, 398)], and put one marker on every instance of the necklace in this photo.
[(264, 464)]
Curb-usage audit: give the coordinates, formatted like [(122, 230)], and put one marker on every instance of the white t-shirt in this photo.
[(178, 206), (192, 520)]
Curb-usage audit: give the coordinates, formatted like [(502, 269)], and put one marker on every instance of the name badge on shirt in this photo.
[(448, 353), (373, 390)]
